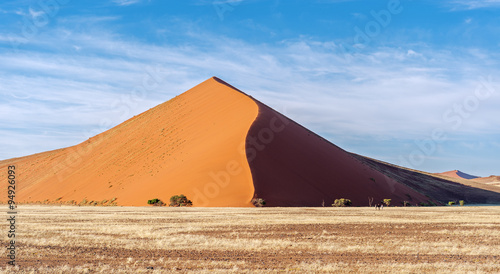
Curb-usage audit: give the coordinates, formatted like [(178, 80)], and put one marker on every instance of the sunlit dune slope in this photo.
[(192, 145)]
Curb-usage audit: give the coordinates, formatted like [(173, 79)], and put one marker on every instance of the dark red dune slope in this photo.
[(292, 166)]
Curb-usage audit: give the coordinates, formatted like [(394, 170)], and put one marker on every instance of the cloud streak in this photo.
[(126, 2), (474, 4)]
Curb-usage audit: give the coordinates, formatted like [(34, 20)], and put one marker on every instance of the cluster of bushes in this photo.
[(175, 201), (461, 202), (156, 202), (258, 202), (342, 202), (180, 200)]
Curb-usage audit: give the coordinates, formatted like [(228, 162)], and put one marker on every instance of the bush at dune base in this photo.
[(155, 202), (258, 202), (342, 202), (180, 200)]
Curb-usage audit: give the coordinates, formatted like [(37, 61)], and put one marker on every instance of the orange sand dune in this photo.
[(458, 174), (221, 147), (192, 145)]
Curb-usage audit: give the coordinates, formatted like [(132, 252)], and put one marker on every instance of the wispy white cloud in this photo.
[(126, 2), (473, 4), (34, 14)]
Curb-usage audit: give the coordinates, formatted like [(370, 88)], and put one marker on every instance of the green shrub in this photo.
[(180, 200), (342, 202), (462, 202), (155, 202), (451, 203), (258, 202), (387, 202)]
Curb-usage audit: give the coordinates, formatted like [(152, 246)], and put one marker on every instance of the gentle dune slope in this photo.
[(458, 174), (439, 187), (492, 180), (192, 145)]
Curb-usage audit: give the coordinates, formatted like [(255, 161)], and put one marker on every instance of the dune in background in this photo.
[(458, 174), (193, 145), (491, 180), (489, 183)]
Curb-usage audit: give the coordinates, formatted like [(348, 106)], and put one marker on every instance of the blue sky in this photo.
[(414, 83)]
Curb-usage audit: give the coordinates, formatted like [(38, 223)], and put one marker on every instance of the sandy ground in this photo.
[(135, 239)]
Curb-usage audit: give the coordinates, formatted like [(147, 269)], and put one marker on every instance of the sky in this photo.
[(413, 83)]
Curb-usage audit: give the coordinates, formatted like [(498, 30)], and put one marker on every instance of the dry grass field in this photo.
[(70, 239)]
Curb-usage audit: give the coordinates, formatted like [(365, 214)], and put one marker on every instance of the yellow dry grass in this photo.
[(71, 239)]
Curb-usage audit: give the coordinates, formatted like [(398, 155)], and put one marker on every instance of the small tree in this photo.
[(451, 203), (370, 201), (155, 202), (387, 202), (406, 203), (258, 202), (342, 202), (462, 202), (180, 200)]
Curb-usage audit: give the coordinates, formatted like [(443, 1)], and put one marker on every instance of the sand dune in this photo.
[(220, 147), (458, 174), (440, 187), (490, 181), (192, 145)]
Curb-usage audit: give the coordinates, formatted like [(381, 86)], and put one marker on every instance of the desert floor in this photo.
[(71, 239)]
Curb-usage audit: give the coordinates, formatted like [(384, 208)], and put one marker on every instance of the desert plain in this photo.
[(89, 239)]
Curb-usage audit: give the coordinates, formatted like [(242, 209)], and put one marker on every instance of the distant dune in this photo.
[(488, 182), (221, 147), (458, 174)]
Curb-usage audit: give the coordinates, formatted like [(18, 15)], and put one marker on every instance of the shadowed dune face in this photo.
[(292, 166), (192, 145)]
